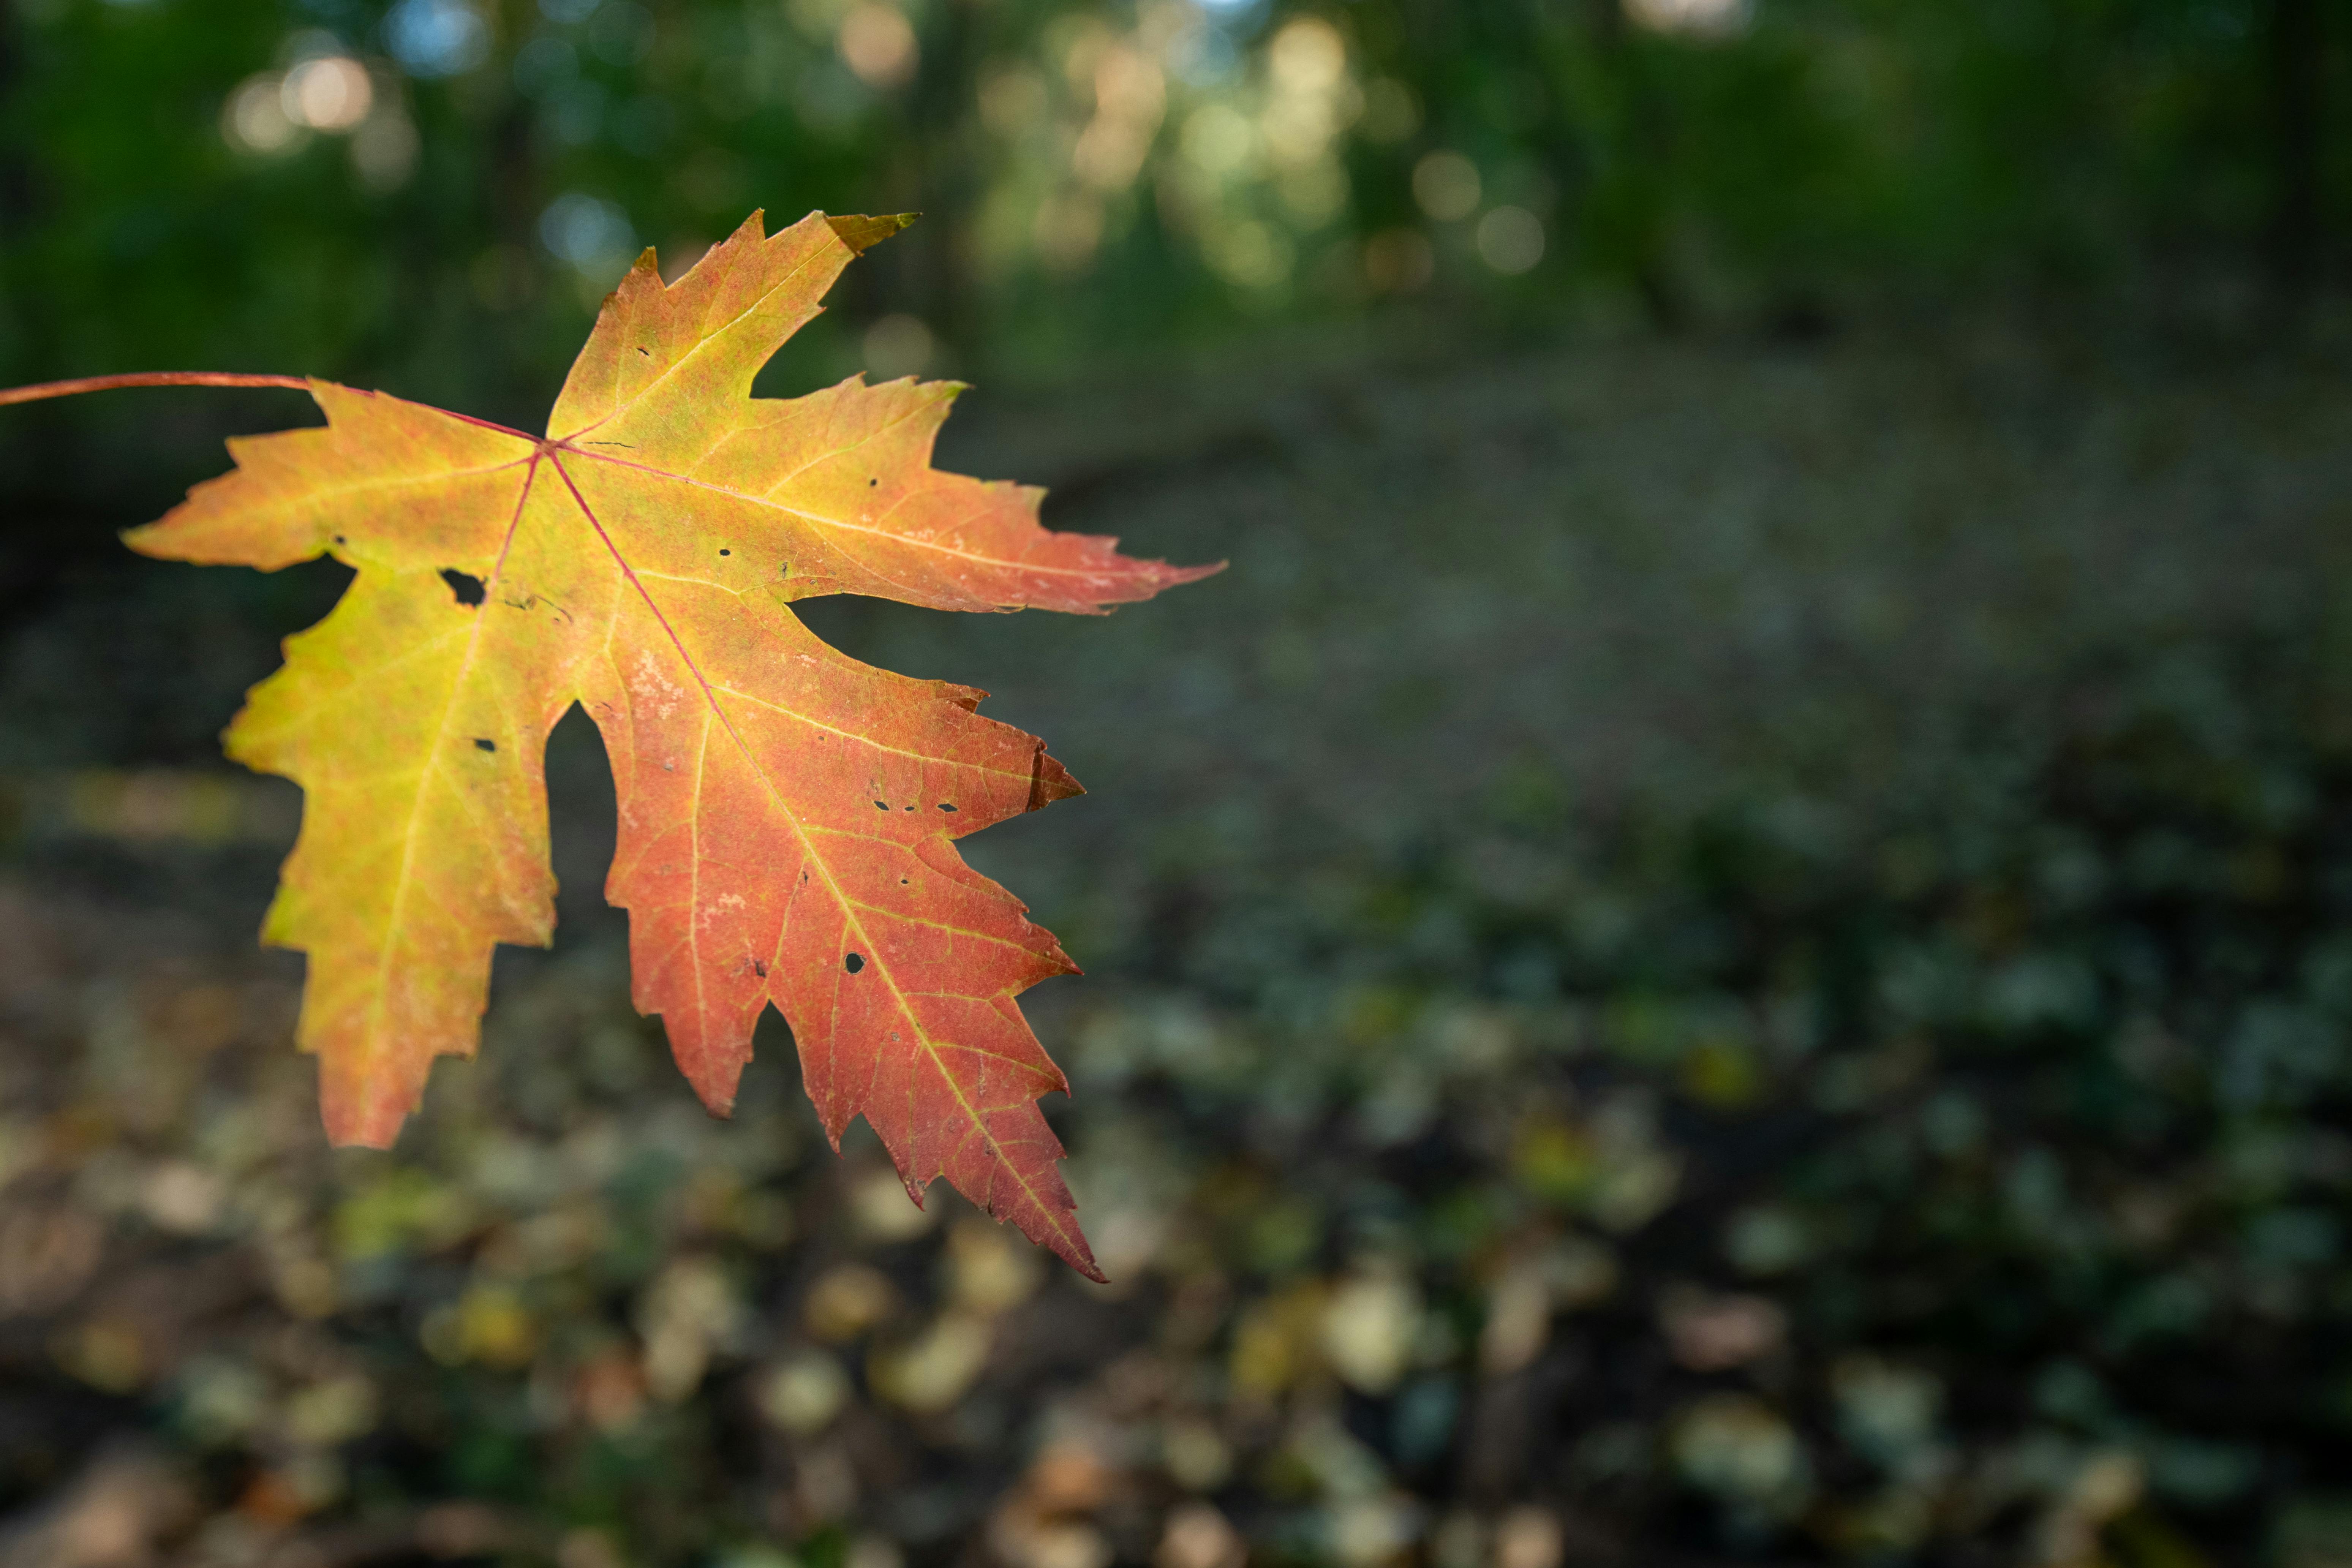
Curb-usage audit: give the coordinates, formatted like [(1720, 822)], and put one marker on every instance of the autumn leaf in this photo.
[(786, 814)]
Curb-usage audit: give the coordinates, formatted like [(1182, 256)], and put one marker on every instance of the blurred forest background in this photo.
[(1729, 940)]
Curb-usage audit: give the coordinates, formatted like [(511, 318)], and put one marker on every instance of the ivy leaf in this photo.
[(786, 814)]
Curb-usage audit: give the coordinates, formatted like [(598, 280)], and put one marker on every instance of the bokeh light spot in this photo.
[(437, 38), (1510, 240), (1219, 140), (591, 234), (1308, 56), (1014, 101), (1250, 254), (1704, 18), (1068, 231), (331, 93), (1446, 185), (897, 345), (1204, 55), (254, 119), (384, 150), (877, 43)]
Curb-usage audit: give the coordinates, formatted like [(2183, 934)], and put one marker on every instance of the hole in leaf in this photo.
[(881, 806), (463, 586), (871, 483), (854, 963), (340, 540), (726, 553), (945, 807), (482, 745), (760, 969)]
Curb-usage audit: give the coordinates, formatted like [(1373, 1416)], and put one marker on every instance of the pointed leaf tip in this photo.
[(862, 233), (1051, 782)]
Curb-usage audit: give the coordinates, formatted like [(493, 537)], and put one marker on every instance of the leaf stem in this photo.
[(40, 390)]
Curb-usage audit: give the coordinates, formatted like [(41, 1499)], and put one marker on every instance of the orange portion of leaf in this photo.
[(786, 814)]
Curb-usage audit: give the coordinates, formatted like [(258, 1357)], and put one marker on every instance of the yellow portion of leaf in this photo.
[(863, 234)]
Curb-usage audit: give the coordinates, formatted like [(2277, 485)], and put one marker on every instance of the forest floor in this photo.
[(1700, 950)]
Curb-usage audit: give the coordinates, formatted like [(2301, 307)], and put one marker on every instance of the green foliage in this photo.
[(1815, 153)]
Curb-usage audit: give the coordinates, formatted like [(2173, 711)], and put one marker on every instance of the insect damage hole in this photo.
[(854, 963), (485, 745), (726, 553), (463, 586)]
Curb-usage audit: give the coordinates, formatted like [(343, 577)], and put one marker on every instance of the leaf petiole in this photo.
[(47, 389)]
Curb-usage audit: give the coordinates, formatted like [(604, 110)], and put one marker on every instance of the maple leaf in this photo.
[(786, 813)]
